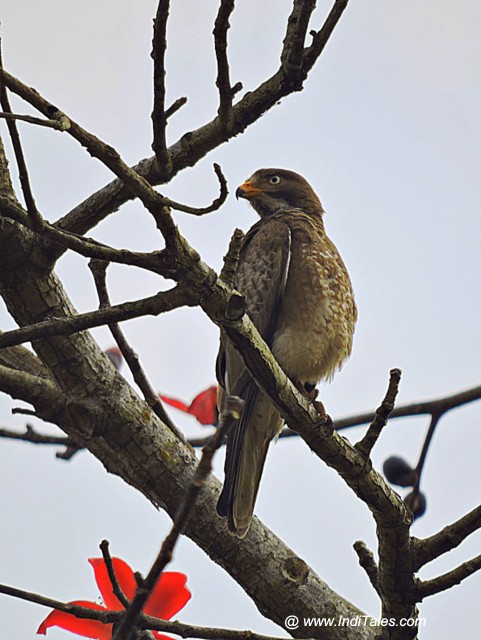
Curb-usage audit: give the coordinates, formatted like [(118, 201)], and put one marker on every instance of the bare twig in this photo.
[(448, 538), (231, 258), (427, 407), (427, 441), (297, 25), (145, 622), (226, 91), (447, 580), (99, 271), (228, 417), (175, 106), (59, 125), (367, 562), (159, 117), (33, 213), (381, 416), (116, 588), (32, 436), (159, 303), (106, 154), (200, 211), (321, 37)]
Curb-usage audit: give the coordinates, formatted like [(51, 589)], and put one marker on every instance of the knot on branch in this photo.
[(295, 570)]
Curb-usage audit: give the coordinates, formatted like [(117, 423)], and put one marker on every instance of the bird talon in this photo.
[(321, 410)]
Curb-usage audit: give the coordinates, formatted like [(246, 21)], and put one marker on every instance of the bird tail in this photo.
[(247, 446)]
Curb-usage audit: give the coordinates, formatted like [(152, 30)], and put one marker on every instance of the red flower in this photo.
[(203, 406), (115, 356), (168, 597)]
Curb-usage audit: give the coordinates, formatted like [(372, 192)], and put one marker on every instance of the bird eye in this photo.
[(275, 180)]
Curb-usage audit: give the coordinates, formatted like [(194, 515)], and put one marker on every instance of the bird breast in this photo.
[(316, 323)]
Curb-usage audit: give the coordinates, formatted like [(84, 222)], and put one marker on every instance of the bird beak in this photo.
[(247, 191)]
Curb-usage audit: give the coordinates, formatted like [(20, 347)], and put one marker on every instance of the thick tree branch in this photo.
[(87, 247), (230, 415)]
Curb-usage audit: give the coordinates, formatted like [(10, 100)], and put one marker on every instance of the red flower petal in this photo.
[(125, 578), (115, 356), (158, 636), (178, 404), (204, 406), (80, 626), (169, 596)]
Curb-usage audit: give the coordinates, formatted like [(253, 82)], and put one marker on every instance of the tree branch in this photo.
[(32, 436), (226, 91), (428, 549), (87, 247), (447, 580), (200, 211), (145, 622), (33, 213), (230, 415), (381, 416), (194, 145), (116, 588), (159, 303), (159, 118), (99, 271), (367, 562)]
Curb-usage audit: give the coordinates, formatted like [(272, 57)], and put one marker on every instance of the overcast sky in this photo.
[(388, 132)]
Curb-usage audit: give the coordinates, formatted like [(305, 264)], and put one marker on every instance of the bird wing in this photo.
[(261, 278)]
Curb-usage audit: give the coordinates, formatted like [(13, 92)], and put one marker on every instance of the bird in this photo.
[(299, 296)]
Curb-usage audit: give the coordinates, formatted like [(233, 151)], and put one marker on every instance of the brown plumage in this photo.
[(299, 296)]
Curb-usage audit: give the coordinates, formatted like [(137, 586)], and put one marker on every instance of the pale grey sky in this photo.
[(388, 131)]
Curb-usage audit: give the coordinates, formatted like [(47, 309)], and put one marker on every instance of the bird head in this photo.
[(271, 190)]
